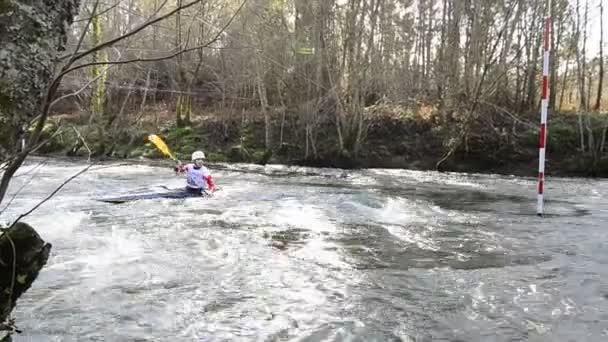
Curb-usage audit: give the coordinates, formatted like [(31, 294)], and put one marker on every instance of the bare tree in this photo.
[(70, 64)]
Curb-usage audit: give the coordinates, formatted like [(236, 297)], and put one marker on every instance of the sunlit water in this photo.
[(299, 254)]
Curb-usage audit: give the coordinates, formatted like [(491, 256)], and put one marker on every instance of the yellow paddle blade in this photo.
[(160, 144)]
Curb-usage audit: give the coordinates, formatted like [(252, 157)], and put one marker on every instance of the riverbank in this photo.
[(411, 141)]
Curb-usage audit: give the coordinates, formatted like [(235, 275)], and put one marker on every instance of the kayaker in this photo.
[(197, 175)]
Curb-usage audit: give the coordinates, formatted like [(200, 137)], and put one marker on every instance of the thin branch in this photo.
[(513, 116), (131, 13), (31, 149), (78, 91), (51, 195), (111, 166), (156, 59), (20, 157), (34, 170), (98, 14), (84, 33), (13, 163), (84, 142), (131, 33)]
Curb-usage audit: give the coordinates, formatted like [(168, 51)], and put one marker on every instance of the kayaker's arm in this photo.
[(179, 168)]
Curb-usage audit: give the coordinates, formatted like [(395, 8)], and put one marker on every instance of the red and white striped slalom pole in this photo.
[(543, 112)]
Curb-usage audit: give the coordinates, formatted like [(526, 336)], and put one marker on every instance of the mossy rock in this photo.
[(31, 252)]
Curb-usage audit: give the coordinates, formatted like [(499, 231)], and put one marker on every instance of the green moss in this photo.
[(5, 101), (178, 133), (261, 156), (238, 154), (141, 151), (217, 157), (5, 6)]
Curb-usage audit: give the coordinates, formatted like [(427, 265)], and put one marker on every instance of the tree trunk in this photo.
[(598, 99), (98, 90), (603, 139), (580, 70), (181, 102), (453, 58), (429, 43), (262, 93), (564, 84), (440, 68), (555, 45), (531, 97)]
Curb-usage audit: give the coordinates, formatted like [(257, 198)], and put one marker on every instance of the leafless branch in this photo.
[(93, 16), (20, 157), (78, 91), (34, 170), (31, 149), (76, 51), (128, 34), (84, 142), (156, 59), (51, 195), (84, 33), (13, 163), (513, 116)]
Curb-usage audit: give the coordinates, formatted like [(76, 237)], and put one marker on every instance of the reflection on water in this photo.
[(289, 253)]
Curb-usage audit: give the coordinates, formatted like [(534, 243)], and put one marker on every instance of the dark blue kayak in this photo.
[(169, 193)]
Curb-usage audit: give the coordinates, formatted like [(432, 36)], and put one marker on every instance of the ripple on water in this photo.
[(288, 253)]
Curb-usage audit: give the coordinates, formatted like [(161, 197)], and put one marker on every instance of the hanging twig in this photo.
[(51, 195), (156, 59), (84, 33), (7, 162), (131, 33), (78, 91), (23, 186), (84, 142), (513, 116)]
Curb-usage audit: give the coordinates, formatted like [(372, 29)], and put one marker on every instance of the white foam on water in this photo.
[(414, 176), (409, 221), (191, 270), (62, 228), (293, 213)]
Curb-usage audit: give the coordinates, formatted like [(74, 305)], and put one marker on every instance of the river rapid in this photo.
[(304, 254)]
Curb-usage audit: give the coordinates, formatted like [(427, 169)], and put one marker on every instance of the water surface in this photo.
[(303, 254)]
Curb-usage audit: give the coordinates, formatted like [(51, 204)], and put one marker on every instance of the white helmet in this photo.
[(198, 155)]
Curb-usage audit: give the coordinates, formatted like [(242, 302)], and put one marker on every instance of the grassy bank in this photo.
[(402, 140)]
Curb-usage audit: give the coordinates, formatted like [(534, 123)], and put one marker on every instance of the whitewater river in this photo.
[(302, 254)]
